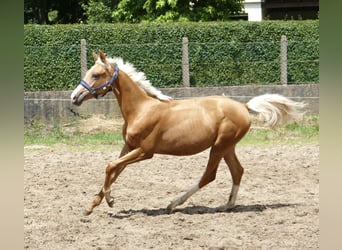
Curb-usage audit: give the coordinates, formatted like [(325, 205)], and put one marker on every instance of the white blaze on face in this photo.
[(80, 87), (76, 90)]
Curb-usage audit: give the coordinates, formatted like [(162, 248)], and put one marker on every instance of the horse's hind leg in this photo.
[(208, 176), (236, 170)]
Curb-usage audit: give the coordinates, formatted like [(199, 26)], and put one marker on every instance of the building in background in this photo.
[(258, 10), (253, 8)]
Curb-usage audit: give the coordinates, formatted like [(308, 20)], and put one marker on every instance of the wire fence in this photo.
[(187, 63)]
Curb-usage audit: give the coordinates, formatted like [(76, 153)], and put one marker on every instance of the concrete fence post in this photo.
[(283, 60), (185, 62), (83, 57)]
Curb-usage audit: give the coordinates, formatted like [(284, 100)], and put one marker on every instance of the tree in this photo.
[(36, 11), (176, 10), (39, 11), (98, 11), (69, 11), (133, 11)]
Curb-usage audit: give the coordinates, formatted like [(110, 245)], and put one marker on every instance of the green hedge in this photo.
[(223, 53)]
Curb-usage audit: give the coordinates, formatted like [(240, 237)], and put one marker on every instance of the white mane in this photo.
[(139, 78)]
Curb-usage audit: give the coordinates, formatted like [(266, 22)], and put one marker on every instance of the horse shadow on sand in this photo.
[(192, 210)]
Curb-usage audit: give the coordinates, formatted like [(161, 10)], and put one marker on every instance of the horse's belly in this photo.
[(185, 142)]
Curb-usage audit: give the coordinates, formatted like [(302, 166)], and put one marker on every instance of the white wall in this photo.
[(253, 9)]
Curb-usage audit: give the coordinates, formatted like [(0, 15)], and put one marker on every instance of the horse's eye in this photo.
[(96, 76)]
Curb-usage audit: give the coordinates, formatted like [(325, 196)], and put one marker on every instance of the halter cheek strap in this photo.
[(90, 89), (109, 83)]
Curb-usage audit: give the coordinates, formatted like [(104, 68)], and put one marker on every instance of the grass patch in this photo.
[(40, 134), (304, 132)]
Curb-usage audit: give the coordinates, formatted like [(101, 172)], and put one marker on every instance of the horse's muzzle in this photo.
[(78, 98), (75, 102)]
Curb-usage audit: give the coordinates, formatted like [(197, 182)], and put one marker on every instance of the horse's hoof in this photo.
[(221, 208), (225, 208), (87, 212), (169, 209), (111, 202)]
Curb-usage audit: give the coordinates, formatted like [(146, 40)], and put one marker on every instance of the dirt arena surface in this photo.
[(277, 205)]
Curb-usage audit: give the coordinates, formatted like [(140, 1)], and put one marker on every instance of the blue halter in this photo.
[(109, 83)]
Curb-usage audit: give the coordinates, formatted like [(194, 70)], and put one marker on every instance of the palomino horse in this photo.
[(156, 124)]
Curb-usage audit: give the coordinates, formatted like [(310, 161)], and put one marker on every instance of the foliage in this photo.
[(98, 11), (51, 12), (104, 11), (175, 10), (221, 53)]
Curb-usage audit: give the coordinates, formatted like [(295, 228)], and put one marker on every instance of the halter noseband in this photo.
[(109, 83)]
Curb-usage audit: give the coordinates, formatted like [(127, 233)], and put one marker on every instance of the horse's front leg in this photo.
[(97, 200), (99, 197), (112, 172), (117, 171)]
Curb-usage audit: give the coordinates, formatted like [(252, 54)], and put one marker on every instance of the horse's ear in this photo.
[(102, 56), (95, 56)]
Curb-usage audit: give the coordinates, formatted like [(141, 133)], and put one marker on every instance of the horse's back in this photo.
[(218, 106), (193, 125)]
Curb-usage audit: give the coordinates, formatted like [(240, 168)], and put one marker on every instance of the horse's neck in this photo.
[(130, 97)]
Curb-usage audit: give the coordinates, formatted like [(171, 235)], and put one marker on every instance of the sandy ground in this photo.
[(277, 205)]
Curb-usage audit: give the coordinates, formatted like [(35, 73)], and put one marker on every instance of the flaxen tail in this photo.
[(276, 110)]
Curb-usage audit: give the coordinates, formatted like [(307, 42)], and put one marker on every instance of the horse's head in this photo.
[(97, 81)]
